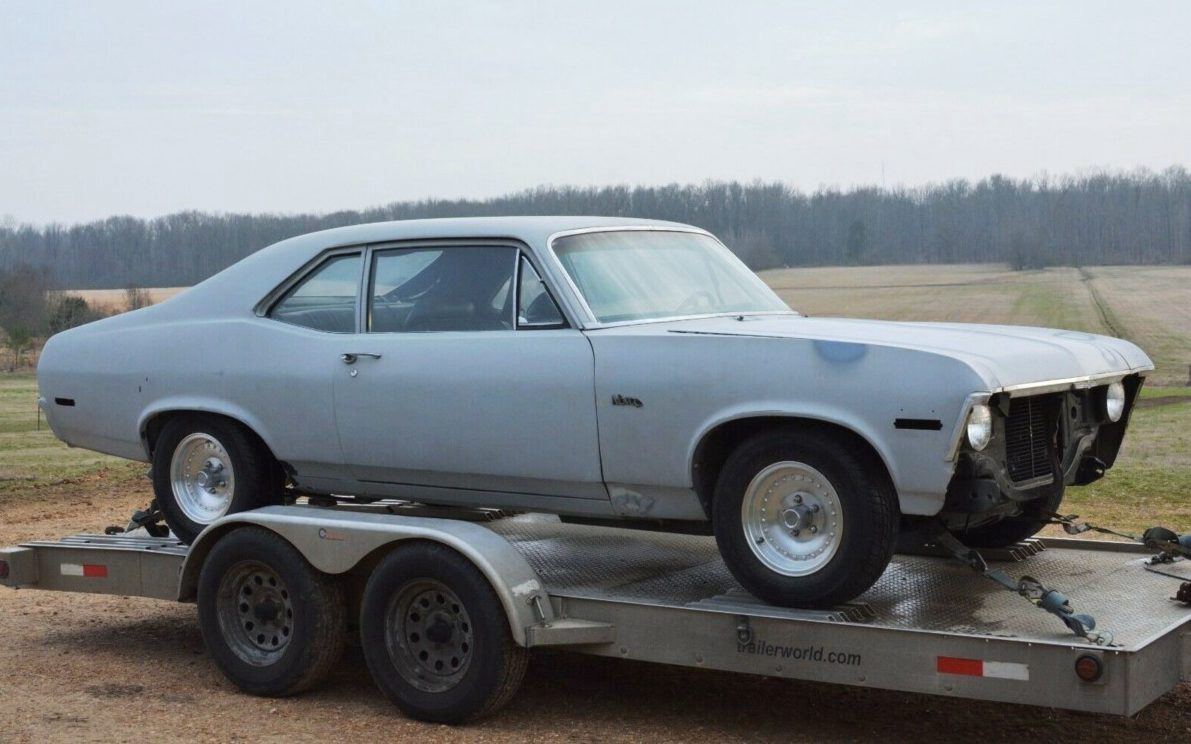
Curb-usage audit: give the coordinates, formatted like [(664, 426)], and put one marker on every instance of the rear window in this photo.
[(326, 298)]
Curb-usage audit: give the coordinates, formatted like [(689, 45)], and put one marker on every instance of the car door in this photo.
[(465, 376)]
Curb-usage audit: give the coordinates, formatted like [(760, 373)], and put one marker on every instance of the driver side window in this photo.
[(455, 288)]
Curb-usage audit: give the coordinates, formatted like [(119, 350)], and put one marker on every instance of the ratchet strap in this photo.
[(150, 518), (1168, 543), (1054, 602), (1170, 546)]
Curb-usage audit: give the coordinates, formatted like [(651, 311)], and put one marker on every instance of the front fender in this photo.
[(813, 412)]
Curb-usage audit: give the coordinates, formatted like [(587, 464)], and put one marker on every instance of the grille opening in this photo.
[(1030, 443)]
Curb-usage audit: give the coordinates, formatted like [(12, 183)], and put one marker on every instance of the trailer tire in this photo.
[(273, 624), (436, 637), (246, 470), (803, 519)]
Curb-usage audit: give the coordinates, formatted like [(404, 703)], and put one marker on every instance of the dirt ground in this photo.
[(92, 668)]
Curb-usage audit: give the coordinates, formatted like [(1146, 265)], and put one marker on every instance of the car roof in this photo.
[(528, 228), (238, 287)]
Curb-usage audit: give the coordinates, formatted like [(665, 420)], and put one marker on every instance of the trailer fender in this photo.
[(336, 541)]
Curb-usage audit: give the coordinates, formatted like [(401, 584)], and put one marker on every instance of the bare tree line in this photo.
[(30, 310), (1097, 218)]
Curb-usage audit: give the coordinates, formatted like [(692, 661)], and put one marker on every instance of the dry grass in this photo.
[(116, 300), (31, 458)]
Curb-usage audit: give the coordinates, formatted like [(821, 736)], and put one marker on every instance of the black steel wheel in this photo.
[(436, 637), (272, 623)]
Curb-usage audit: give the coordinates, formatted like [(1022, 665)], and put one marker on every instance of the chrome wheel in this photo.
[(792, 519), (256, 613), (429, 635), (201, 478)]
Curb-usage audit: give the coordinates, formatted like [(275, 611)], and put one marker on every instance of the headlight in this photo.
[(979, 426), (1114, 401)]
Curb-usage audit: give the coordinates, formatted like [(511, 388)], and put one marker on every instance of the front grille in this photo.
[(1030, 438)]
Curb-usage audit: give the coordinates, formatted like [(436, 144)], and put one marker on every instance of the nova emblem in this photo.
[(624, 400)]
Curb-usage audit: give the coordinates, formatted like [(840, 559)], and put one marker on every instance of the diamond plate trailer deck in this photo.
[(929, 625)]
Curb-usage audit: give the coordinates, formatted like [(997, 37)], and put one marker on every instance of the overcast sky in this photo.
[(147, 108)]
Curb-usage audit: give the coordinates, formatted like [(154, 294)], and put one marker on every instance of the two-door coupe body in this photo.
[(601, 369)]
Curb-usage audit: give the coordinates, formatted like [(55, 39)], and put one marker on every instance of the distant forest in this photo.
[(1098, 218)]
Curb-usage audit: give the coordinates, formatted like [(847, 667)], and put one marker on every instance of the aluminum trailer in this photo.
[(929, 625)]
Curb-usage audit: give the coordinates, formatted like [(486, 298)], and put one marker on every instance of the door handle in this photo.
[(351, 358)]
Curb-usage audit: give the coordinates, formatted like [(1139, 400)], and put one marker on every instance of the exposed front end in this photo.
[(1021, 448)]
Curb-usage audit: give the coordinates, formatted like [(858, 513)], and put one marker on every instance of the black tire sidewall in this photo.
[(1003, 533), (249, 465), (866, 544), (319, 615), (491, 639)]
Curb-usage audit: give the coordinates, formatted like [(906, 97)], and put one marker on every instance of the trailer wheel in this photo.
[(802, 520), (436, 637), (272, 623), (205, 467)]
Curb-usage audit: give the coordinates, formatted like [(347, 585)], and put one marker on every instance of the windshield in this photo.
[(627, 275)]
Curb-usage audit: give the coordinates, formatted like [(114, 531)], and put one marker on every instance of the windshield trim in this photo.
[(589, 317)]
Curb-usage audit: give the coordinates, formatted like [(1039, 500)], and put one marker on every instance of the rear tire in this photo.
[(436, 637), (205, 467), (804, 520), (273, 624), (1011, 530)]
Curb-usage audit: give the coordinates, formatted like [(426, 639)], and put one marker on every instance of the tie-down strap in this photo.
[(1053, 601)]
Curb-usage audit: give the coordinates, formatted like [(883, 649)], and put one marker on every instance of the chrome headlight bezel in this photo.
[(979, 426)]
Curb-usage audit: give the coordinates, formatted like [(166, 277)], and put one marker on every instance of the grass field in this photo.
[(1151, 483), (30, 457), (116, 300)]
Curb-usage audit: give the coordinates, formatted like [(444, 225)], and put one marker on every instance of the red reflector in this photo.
[(1088, 668), (3, 569), (969, 667), (94, 571)]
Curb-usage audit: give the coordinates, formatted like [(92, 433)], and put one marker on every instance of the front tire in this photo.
[(205, 467), (804, 520), (436, 637), (1009, 531)]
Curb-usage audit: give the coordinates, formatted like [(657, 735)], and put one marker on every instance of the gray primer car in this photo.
[(601, 369)]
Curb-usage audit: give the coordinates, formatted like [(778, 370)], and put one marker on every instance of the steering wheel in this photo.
[(692, 301)]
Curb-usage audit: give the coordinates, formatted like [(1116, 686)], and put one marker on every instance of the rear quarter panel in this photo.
[(275, 378)]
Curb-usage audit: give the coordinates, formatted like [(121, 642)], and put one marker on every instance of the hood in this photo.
[(1004, 356)]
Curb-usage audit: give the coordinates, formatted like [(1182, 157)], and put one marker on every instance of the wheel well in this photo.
[(155, 425), (715, 447)]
